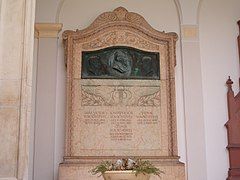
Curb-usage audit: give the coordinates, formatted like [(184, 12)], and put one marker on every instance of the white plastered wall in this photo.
[(218, 31)]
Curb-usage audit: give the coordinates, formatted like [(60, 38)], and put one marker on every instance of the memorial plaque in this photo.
[(120, 95)]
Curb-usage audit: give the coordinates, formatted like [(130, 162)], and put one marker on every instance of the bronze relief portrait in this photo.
[(120, 63)]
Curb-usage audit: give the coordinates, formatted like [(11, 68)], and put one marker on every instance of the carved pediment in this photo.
[(122, 18)]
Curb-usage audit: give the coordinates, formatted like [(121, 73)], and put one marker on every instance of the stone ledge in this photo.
[(81, 171)]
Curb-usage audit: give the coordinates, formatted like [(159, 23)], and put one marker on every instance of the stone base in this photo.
[(80, 171), (129, 175)]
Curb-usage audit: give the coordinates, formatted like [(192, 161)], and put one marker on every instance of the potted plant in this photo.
[(126, 169)]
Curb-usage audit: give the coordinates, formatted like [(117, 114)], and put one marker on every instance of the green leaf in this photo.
[(140, 167), (101, 168)]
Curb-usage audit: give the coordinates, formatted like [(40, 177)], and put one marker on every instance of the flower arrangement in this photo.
[(137, 166)]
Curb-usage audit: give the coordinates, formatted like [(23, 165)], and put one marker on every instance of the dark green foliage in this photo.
[(145, 167), (101, 168), (139, 167)]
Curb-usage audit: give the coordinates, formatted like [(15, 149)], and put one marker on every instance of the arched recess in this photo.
[(75, 14), (199, 10), (71, 13), (61, 4), (59, 8), (179, 10)]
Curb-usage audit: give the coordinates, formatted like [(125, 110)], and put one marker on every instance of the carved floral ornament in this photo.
[(123, 38), (91, 99)]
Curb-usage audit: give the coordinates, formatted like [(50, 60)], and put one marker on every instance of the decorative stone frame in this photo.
[(121, 28)]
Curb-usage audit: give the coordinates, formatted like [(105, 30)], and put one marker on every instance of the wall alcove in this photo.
[(116, 105)]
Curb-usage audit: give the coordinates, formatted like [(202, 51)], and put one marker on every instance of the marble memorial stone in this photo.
[(120, 95)]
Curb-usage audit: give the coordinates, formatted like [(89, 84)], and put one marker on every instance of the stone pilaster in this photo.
[(16, 49), (46, 35), (194, 113), (47, 30)]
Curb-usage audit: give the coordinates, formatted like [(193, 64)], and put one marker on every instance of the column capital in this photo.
[(190, 32), (47, 30)]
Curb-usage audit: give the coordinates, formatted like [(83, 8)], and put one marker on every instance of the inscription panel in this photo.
[(119, 117), (119, 132), (119, 129)]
